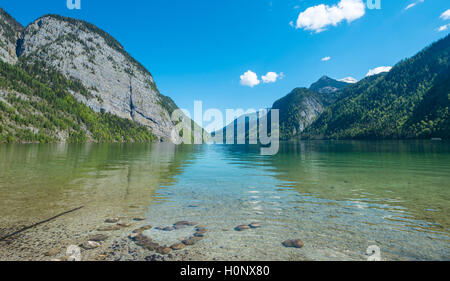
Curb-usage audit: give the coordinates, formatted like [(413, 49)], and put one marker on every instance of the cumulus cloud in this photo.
[(413, 4), (317, 18), (444, 27), (271, 77), (378, 70), (326, 58), (249, 79), (446, 15)]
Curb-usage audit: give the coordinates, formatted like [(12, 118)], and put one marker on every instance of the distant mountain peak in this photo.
[(327, 85)]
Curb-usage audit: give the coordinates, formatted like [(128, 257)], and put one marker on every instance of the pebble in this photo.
[(201, 230), (89, 245), (60, 259), (169, 228), (295, 243), (151, 246), (52, 252), (112, 220), (255, 225), (98, 237), (142, 240), (164, 250), (133, 235), (185, 223), (124, 224), (139, 219), (242, 227), (177, 246), (109, 228), (189, 242), (197, 234), (142, 229), (154, 258)]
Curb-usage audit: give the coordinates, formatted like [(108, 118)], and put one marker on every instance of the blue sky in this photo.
[(198, 50)]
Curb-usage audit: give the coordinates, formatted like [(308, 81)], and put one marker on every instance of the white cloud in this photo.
[(348, 80), (446, 15), (413, 4), (291, 23), (326, 58), (272, 77), (318, 17), (378, 70), (444, 27), (249, 79)]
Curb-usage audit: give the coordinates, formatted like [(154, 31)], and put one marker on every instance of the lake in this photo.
[(338, 197)]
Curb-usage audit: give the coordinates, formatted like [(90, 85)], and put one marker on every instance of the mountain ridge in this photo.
[(382, 106), (95, 69)]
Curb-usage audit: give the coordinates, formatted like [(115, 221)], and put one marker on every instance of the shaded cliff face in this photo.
[(298, 110), (10, 31), (117, 83)]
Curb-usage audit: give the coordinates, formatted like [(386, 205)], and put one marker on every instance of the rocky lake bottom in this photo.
[(312, 201)]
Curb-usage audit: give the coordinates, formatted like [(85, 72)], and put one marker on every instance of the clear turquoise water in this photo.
[(338, 197)]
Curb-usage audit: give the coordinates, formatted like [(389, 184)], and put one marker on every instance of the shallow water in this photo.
[(338, 197)]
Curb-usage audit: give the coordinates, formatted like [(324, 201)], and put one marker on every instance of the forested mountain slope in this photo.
[(411, 101), (64, 79)]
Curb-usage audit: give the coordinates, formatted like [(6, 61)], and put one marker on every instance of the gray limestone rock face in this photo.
[(117, 83), (10, 31)]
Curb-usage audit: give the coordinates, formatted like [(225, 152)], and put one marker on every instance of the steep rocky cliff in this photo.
[(298, 110), (10, 31), (117, 83), (71, 55)]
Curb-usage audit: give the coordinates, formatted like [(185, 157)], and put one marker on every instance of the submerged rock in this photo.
[(133, 235), (89, 245), (255, 225), (151, 246), (142, 229), (98, 237), (112, 220), (167, 228), (201, 230), (163, 250), (124, 224), (154, 257), (189, 242), (142, 240), (184, 223), (52, 252), (242, 227), (65, 258), (109, 228), (198, 234), (294, 243), (139, 219), (101, 257), (177, 246)]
